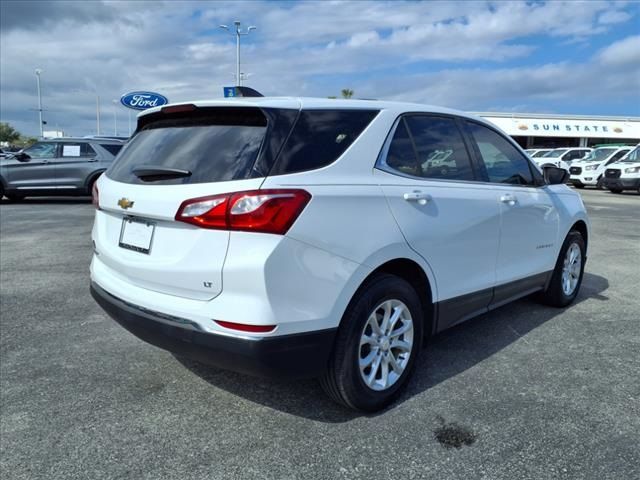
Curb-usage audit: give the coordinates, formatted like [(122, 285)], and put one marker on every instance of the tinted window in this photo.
[(401, 155), (113, 149), (440, 148), (319, 137), (218, 145), (503, 162), (42, 150), (618, 156)]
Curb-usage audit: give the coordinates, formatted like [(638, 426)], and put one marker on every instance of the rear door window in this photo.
[(218, 145), (320, 137), (440, 148), (77, 150)]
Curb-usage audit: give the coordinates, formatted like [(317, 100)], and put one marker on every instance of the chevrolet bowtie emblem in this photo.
[(125, 203)]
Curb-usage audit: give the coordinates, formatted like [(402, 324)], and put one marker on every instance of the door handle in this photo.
[(416, 196), (508, 199)]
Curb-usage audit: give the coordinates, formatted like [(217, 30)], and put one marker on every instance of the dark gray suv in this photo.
[(61, 166)]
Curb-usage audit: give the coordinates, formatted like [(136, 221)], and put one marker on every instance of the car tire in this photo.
[(578, 185), (365, 371), (615, 190), (600, 183), (567, 275)]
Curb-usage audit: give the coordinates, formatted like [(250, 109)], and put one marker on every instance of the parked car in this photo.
[(61, 166), (312, 238), (567, 155), (590, 169), (624, 174), (537, 152)]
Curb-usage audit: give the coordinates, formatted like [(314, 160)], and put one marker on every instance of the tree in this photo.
[(346, 93), (8, 133)]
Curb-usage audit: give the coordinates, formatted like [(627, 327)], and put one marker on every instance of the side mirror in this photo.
[(22, 157), (554, 175)]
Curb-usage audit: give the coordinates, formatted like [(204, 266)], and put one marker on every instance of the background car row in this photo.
[(61, 166), (615, 167)]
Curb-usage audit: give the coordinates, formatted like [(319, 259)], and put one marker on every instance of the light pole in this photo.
[(38, 72), (97, 114), (115, 117), (238, 33)]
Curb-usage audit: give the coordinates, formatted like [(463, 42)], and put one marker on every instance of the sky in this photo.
[(508, 56)]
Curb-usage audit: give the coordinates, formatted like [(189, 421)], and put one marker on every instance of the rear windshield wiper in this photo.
[(151, 173)]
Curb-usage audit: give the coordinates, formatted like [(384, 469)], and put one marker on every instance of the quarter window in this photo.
[(320, 137), (429, 147), (503, 162)]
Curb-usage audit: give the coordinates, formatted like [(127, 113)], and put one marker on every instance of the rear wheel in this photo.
[(377, 344), (567, 275)]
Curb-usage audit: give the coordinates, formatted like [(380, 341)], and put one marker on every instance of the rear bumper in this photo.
[(298, 355), (622, 183)]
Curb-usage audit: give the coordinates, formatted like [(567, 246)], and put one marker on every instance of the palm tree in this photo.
[(346, 93)]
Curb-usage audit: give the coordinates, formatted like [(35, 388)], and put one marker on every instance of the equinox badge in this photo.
[(125, 203)]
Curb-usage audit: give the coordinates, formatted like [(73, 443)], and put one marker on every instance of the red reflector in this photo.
[(188, 107), (241, 327), (266, 211)]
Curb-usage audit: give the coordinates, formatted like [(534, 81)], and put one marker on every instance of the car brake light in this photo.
[(266, 211), (95, 200), (243, 327), (187, 107)]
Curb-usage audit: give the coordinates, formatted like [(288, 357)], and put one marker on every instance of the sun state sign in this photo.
[(143, 100), (566, 127)]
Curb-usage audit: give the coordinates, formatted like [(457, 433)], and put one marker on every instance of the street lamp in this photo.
[(238, 33), (38, 72), (115, 117), (97, 114)]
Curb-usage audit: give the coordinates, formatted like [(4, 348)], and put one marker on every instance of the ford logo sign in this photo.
[(143, 100)]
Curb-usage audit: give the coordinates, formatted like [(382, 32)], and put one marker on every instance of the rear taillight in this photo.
[(267, 211), (95, 200)]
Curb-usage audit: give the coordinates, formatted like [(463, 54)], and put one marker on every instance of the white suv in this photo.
[(310, 237), (625, 173)]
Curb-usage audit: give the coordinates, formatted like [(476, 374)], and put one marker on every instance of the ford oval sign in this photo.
[(143, 100)]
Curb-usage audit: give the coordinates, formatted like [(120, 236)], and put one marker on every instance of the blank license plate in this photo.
[(136, 235)]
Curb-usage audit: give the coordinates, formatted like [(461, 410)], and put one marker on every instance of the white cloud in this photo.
[(624, 52)]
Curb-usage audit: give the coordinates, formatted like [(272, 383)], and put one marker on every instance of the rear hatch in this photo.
[(179, 153)]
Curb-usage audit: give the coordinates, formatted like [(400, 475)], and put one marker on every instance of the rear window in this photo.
[(221, 145), (111, 148), (320, 137), (235, 143)]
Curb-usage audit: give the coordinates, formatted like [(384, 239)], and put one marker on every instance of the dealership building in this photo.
[(554, 131)]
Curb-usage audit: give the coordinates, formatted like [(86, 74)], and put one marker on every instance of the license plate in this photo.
[(136, 235)]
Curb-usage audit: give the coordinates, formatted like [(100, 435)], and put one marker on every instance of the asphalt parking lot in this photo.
[(530, 392)]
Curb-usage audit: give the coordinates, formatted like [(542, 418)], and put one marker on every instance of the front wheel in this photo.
[(615, 190), (600, 183), (379, 339), (578, 185), (567, 274)]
